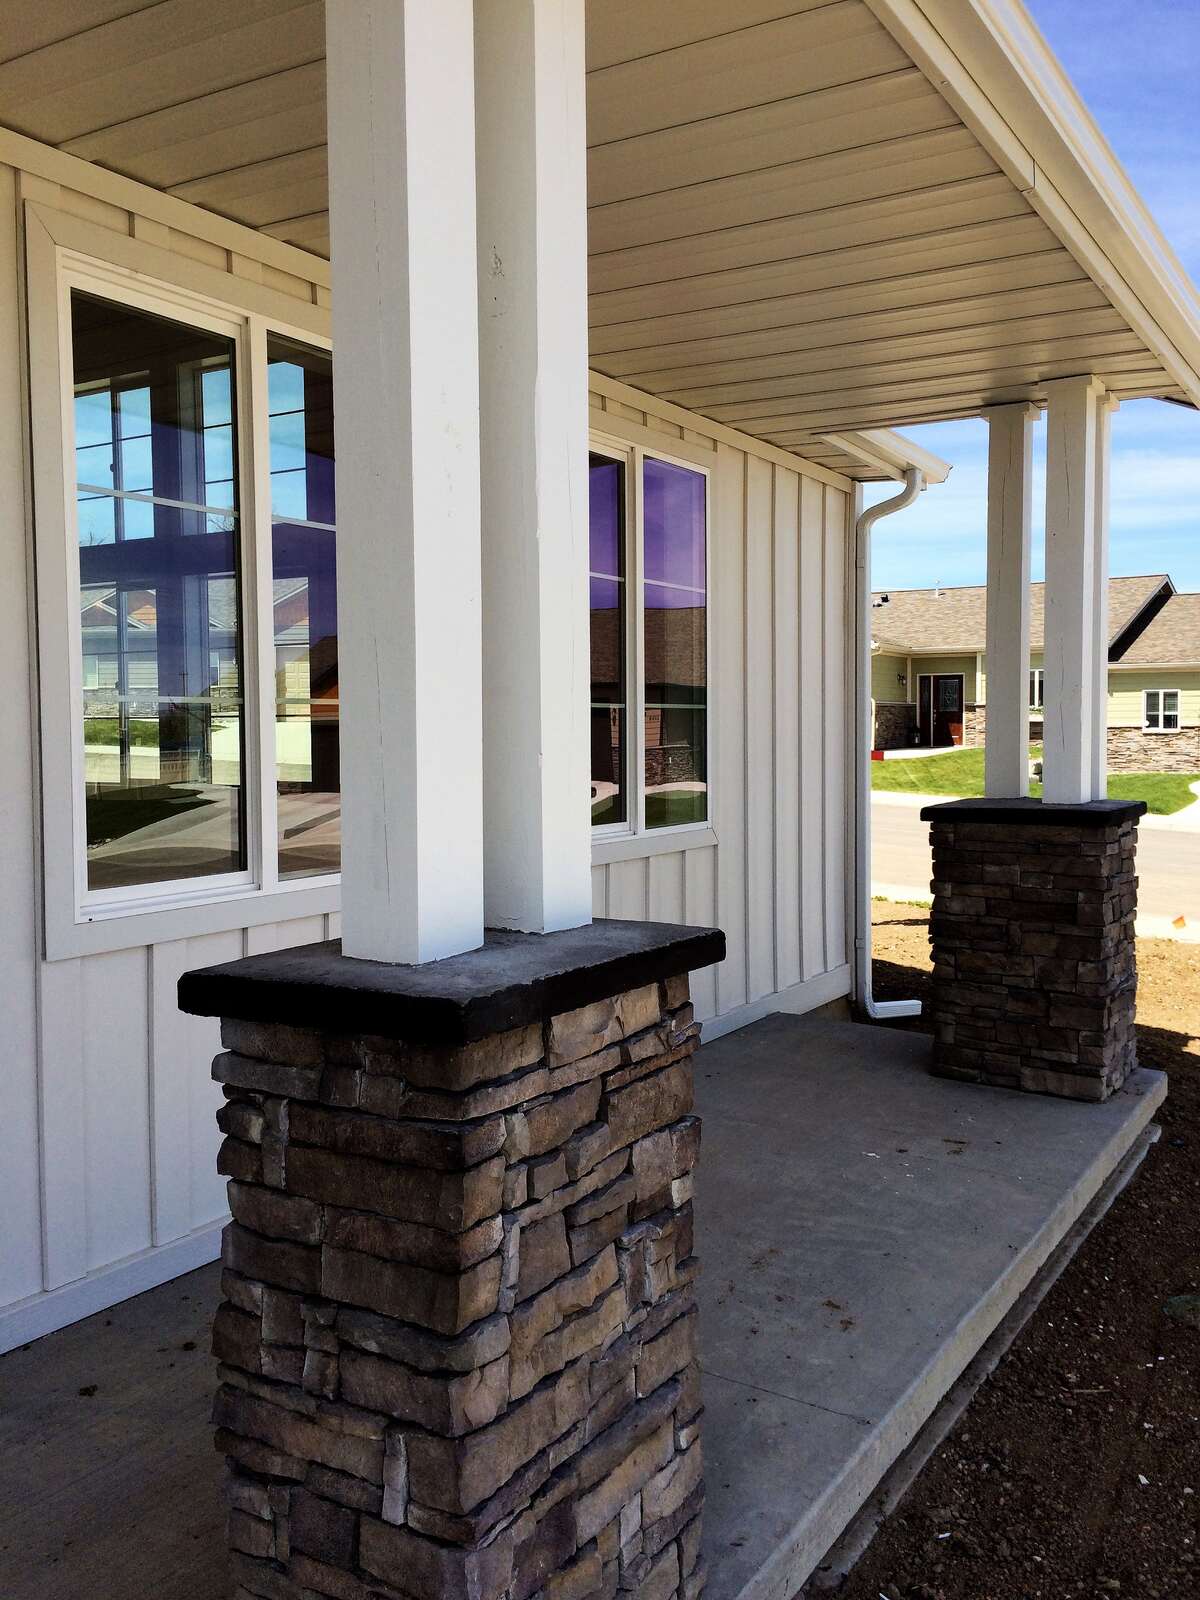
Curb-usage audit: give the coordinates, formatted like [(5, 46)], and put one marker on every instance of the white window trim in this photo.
[(65, 252), (630, 840), (1038, 674), (1160, 727)]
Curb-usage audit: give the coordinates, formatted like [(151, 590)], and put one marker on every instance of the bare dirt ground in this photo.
[(1076, 1470)]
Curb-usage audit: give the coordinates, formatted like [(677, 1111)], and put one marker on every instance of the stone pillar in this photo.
[(1034, 974), (457, 1338)]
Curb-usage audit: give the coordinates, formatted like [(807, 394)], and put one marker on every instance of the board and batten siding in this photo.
[(772, 871), (108, 1142)]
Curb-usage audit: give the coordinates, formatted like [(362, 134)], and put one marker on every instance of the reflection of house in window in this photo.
[(156, 488)]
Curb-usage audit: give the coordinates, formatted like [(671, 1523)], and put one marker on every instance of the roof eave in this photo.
[(992, 65), (888, 452)]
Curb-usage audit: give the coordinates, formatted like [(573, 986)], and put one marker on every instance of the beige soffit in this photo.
[(807, 218), (994, 67)]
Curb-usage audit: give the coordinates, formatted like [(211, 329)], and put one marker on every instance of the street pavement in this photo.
[(1168, 864)]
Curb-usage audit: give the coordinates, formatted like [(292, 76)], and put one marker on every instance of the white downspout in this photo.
[(914, 482)]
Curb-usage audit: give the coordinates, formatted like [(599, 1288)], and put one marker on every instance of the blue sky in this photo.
[(1135, 63)]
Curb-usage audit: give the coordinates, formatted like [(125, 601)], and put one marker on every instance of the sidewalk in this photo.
[(1185, 821), (1168, 863)]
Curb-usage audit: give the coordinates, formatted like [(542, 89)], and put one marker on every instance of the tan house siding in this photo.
[(1126, 687), (889, 679)]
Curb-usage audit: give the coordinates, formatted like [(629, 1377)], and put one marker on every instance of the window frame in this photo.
[(1037, 675), (65, 253), (1162, 713), (614, 840)]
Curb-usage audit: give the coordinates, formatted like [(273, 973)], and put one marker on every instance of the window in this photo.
[(159, 598), (304, 608), (1160, 710), (180, 628), (654, 639), (1036, 689)]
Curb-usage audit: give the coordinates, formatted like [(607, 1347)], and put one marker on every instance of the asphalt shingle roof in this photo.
[(1172, 638), (955, 620)]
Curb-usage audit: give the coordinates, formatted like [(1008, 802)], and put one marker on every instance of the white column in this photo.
[(1105, 407), (1070, 680), (1009, 541), (532, 225), (406, 393)]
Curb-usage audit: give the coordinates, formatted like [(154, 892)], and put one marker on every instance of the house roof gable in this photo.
[(1172, 638)]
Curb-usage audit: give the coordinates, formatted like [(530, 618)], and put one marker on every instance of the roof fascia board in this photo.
[(890, 453), (1155, 666), (986, 58)]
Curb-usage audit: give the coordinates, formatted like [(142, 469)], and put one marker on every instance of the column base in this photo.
[(457, 1344), (1034, 971)]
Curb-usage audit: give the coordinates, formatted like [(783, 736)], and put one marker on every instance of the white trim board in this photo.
[(44, 1313)]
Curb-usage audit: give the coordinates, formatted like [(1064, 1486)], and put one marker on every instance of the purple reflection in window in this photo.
[(607, 515), (674, 528)]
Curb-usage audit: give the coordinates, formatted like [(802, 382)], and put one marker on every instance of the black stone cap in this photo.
[(511, 980), (1037, 813)]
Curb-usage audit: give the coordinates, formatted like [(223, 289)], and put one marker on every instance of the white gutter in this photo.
[(914, 483), (889, 453)]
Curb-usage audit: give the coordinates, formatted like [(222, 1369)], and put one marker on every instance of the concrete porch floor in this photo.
[(863, 1227)]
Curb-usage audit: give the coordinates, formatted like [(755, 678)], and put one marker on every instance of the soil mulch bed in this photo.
[(1076, 1469)]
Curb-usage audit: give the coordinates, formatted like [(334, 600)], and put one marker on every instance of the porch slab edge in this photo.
[(794, 1560)]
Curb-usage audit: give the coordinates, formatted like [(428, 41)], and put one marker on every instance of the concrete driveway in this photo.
[(1168, 859)]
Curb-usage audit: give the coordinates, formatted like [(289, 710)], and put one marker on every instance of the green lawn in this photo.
[(960, 773)]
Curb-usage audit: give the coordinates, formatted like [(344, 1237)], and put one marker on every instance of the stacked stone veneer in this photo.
[(1132, 750), (895, 725), (457, 1342), (1032, 927)]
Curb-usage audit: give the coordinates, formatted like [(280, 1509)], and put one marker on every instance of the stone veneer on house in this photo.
[(1132, 750), (1032, 927), (457, 1340)]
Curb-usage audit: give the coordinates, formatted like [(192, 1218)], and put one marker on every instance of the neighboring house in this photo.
[(727, 248), (1154, 693), (929, 670)]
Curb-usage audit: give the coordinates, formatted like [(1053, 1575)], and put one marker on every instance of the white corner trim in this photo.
[(990, 63), (57, 1308)]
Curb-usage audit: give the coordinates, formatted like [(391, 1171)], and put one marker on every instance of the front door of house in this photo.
[(940, 708)]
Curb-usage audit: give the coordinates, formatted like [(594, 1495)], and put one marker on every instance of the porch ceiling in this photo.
[(791, 230)]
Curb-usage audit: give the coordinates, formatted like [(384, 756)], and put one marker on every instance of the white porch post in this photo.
[(1009, 540), (1071, 560), (402, 212), (1105, 407), (532, 227)]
